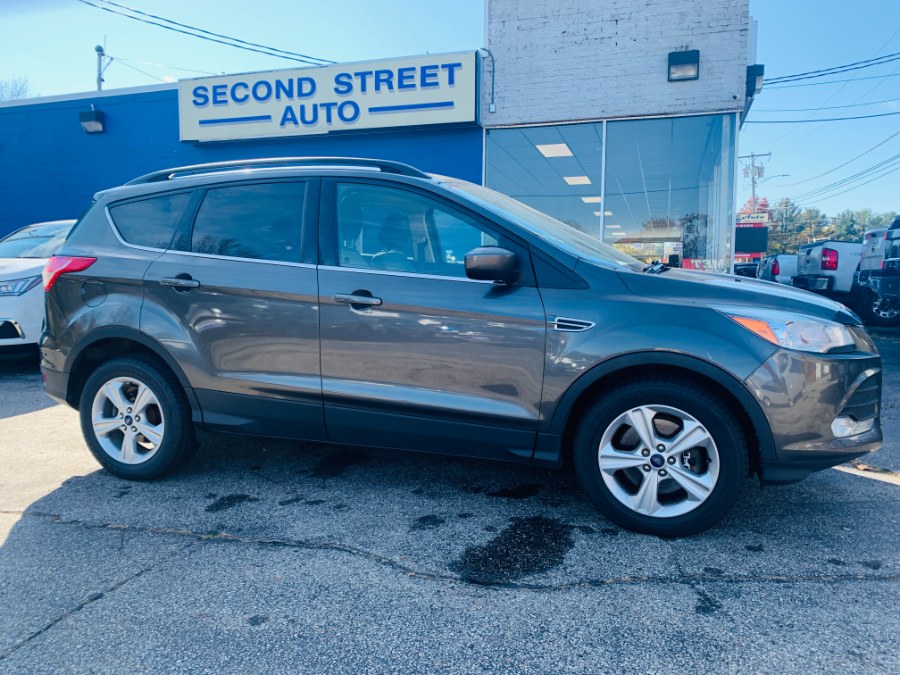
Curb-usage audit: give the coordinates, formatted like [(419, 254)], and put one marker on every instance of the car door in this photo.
[(236, 302), (414, 354)]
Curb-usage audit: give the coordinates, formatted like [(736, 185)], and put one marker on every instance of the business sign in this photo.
[(750, 219), (437, 89)]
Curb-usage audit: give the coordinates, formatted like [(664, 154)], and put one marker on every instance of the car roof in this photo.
[(199, 175)]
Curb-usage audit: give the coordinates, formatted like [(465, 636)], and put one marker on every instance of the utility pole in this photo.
[(101, 67), (754, 172)]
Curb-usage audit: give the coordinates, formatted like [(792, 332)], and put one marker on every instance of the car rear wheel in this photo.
[(661, 457), (136, 419)]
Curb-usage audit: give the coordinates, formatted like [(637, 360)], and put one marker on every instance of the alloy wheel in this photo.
[(127, 420), (658, 461)]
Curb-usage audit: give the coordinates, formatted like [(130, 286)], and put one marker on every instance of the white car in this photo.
[(23, 255)]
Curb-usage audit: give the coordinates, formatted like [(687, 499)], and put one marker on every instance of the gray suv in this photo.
[(366, 302)]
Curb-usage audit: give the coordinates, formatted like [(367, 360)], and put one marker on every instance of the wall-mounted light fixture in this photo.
[(755, 79), (91, 121), (684, 65)]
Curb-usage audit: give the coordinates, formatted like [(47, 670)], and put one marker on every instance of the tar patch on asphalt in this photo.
[(336, 463), (517, 492), (429, 522), (229, 502), (528, 546)]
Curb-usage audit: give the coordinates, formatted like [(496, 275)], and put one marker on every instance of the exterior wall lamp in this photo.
[(91, 121), (684, 65), (755, 79)]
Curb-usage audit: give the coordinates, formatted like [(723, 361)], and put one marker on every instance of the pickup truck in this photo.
[(879, 274), (779, 268), (829, 267)]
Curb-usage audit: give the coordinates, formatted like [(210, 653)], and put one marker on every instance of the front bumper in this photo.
[(801, 395), (21, 317)]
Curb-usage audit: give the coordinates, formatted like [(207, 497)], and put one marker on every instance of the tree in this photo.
[(14, 89)]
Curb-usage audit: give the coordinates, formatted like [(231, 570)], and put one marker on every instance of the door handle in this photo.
[(179, 282), (364, 300)]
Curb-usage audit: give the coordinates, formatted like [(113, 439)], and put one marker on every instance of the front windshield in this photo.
[(546, 227), (36, 241)]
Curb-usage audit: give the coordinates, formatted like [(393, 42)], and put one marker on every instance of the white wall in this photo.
[(560, 60)]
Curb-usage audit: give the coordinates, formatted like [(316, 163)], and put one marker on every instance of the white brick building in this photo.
[(634, 157)]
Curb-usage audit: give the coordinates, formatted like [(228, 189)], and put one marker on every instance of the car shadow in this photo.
[(19, 373)]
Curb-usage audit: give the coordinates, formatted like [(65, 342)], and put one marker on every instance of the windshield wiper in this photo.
[(656, 267)]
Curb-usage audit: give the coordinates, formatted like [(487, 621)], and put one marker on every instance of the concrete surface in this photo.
[(288, 557)]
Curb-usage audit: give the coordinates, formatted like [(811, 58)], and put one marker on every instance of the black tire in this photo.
[(717, 421), (178, 442), (866, 307)]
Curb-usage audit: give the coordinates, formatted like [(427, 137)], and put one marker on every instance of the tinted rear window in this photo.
[(150, 222), (251, 221)]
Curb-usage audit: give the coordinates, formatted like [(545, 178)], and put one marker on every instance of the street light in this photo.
[(780, 175)]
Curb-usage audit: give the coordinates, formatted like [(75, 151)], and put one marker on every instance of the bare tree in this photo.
[(14, 89)]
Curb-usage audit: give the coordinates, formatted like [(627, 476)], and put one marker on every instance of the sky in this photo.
[(51, 42)]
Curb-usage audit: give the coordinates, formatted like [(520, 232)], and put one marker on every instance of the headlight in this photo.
[(804, 333), (18, 286)]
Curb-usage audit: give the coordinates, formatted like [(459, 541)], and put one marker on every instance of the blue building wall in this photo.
[(50, 168)]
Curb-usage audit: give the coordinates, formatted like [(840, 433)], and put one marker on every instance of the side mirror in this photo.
[(491, 263)]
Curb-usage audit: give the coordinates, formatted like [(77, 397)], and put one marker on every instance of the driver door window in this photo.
[(384, 228)]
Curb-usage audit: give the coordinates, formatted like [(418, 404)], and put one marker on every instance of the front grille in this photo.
[(863, 404)]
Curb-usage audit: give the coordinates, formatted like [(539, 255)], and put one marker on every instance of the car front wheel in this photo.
[(661, 457)]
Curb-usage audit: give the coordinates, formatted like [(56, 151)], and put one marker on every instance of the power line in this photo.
[(219, 35), (821, 119), (163, 65), (855, 187), (843, 86), (833, 107), (268, 51), (816, 84), (121, 62), (849, 161), (836, 70), (847, 180)]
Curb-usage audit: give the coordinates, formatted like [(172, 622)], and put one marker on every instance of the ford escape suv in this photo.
[(366, 302)]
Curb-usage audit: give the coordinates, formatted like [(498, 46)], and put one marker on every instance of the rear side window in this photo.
[(262, 222), (150, 222)]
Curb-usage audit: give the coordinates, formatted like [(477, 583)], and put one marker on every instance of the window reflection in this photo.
[(555, 169), (669, 187), (669, 182)]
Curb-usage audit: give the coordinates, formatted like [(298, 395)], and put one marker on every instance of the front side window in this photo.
[(262, 222), (385, 228), (150, 222)]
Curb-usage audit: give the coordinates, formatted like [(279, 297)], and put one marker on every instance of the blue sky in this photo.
[(52, 43)]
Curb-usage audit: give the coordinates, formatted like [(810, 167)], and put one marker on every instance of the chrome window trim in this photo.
[(394, 273), (215, 256)]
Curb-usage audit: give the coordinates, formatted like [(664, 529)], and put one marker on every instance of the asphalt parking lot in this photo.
[(286, 557)]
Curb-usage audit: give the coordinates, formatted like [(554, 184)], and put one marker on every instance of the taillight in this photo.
[(829, 259), (776, 268), (62, 264)]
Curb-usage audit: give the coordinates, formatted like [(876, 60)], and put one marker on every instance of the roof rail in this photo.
[(382, 165)]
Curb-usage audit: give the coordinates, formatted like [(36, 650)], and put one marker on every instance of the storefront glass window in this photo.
[(555, 169), (669, 189)]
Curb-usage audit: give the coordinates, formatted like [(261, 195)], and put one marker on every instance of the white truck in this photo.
[(829, 267), (877, 300)]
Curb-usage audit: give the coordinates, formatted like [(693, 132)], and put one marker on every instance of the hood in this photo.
[(19, 268), (710, 289)]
